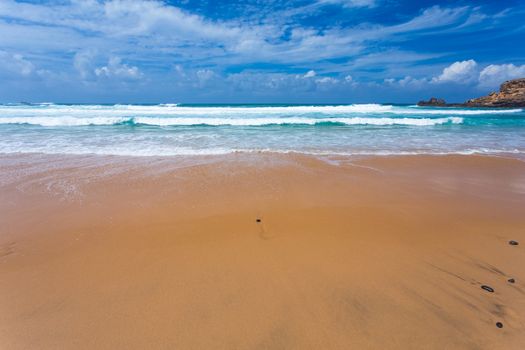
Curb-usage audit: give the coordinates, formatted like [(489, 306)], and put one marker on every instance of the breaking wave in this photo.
[(188, 121), (48, 114), (171, 129), (178, 110)]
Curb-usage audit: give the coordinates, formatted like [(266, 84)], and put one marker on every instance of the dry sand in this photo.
[(378, 253)]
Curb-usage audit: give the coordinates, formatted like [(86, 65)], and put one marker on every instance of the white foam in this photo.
[(175, 109), (63, 121), (296, 120), (161, 140), (172, 114), (185, 121), (183, 151)]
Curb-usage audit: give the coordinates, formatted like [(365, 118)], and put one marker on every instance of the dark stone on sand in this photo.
[(258, 220), (511, 280), (499, 324), (513, 243), (487, 288)]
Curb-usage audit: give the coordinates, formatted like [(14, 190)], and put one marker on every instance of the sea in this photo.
[(184, 129)]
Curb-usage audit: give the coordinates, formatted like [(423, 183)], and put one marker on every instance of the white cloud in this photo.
[(409, 81), (15, 63), (139, 17), (350, 3), (467, 73), (459, 72), (118, 18), (115, 68), (83, 63), (158, 37), (327, 80), (156, 27), (493, 75), (204, 77), (309, 74), (205, 74), (278, 83)]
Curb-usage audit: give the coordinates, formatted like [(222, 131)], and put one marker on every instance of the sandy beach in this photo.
[(261, 251), (262, 175)]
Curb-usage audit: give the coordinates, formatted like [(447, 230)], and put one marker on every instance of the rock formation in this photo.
[(433, 102), (511, 95)]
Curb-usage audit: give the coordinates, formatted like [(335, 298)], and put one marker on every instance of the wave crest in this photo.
[(185, 121)]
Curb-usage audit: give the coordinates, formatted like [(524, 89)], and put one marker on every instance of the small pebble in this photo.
[(499, 324), (487, 288), (513, 243), (258, 220), (511, 280)]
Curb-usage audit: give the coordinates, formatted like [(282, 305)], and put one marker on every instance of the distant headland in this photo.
[(511, 95)]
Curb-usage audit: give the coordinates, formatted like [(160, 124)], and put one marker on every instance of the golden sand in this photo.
[(378, 253)]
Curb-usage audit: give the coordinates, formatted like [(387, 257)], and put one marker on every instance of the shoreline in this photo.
[(518, 155), (378, 252)]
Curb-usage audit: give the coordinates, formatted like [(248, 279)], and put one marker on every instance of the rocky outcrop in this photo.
[(438, 102), (511, 95)]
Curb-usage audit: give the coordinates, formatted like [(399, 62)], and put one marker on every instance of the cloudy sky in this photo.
[(316, 51)]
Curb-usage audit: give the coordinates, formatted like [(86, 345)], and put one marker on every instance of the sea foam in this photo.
[(174, 115), (185, 121), (170, 130), (231, 111)]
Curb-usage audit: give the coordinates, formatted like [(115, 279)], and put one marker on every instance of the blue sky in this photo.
[(316, 51)]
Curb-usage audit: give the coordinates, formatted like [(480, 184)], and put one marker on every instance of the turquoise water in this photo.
[(165, 130)]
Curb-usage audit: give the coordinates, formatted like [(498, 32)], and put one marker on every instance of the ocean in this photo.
[(170, 129)]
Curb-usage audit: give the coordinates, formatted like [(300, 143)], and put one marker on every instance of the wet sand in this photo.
[(262, 252)]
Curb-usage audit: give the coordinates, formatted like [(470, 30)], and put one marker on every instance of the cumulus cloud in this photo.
[(15, 63), (83, 63), (459, 72), (205, 74), (409, 81), (466, 72), (204, 77), (327, 80), (469, 72), (494, 74), (156, 39), (194, 77), (283, 84), (115, 68), (309, 74)]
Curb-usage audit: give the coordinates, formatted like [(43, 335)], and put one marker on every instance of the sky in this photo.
[(254, 51)]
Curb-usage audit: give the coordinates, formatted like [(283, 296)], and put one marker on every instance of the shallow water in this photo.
[(166, 130)]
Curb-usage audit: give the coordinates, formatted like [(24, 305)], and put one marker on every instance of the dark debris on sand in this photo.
[(487, 288)]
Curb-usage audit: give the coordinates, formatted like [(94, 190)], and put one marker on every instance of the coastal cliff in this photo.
[(511, 94)]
